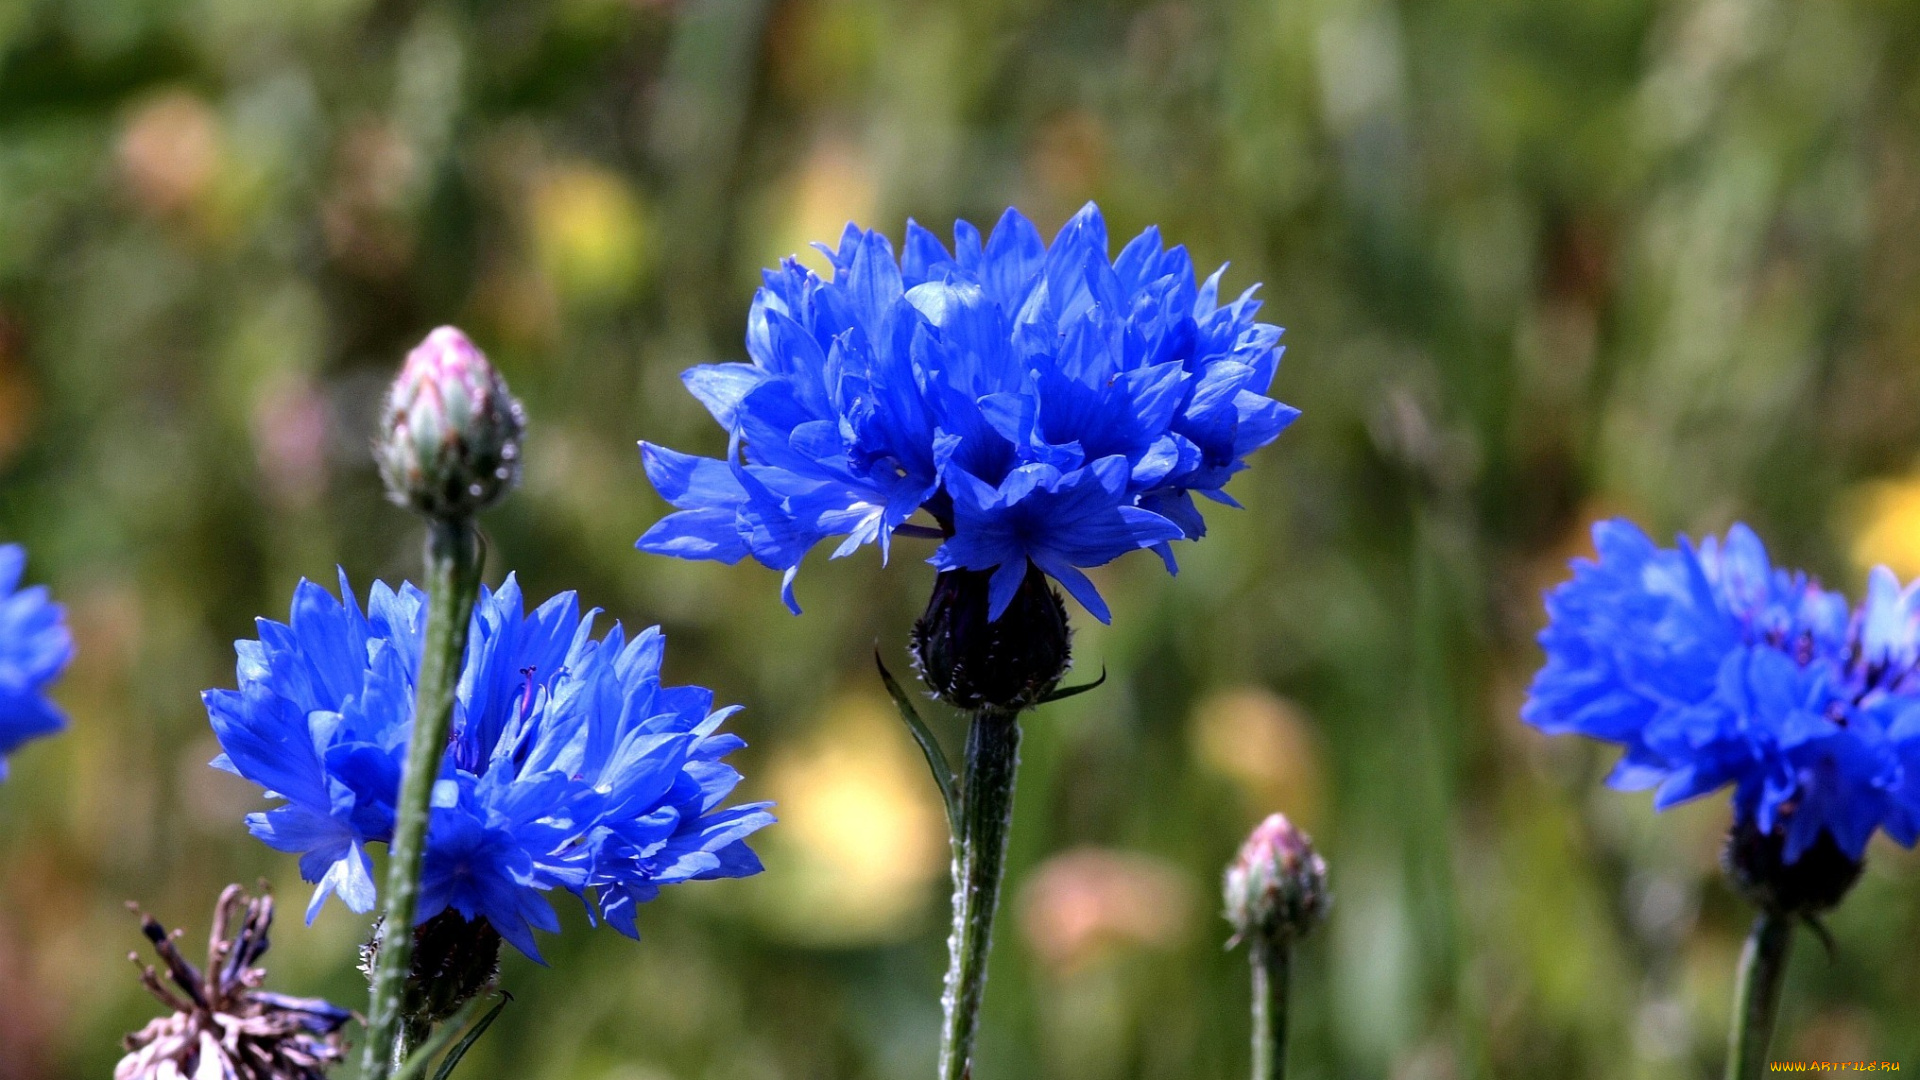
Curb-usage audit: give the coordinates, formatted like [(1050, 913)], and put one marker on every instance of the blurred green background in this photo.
[(1539, 262)]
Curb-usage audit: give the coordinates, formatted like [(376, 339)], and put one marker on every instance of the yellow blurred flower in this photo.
[(590, 231), (1264, 744), (170, 152), (1887, 526), (835, 185), (861, 835)]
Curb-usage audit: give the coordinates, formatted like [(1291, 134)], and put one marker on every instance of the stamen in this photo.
[(526, 698)]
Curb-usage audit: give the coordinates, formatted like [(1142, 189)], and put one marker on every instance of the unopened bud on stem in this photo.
[(1276, 888), (449, 440)]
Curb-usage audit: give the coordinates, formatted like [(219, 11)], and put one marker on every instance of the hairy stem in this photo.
[(1272, 962), (453, 583), (979, 863), (1756, 1004)]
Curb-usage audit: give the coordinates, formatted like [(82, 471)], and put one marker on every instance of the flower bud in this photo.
[(1814, 883), (1276, 888), (450, 435), (1010, 663)]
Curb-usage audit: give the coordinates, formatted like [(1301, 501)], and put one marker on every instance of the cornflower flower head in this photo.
[(1713, 668), (569, 764), (1043, 405), (35, 648)]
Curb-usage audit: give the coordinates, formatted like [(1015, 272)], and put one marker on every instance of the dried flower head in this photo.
[(223, 1026)]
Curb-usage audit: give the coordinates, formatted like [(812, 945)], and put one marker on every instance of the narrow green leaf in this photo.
[(423, 1055), (936, 758), (472, 1036), (1067, 692)]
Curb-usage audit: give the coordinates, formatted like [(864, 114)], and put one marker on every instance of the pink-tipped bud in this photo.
[(1276, 888), (450, 435)]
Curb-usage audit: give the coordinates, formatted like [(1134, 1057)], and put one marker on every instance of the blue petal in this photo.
[(266, 739), (697, 534), (721, 388)]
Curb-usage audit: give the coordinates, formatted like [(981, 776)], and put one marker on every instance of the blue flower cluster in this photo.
[(1043, 404), (1712, 667), (35, 648), (569, 764)]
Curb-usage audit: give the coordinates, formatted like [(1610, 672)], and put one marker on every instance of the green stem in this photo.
[(1272, 962), (1757, 1002), (453, 583), (979, 863)]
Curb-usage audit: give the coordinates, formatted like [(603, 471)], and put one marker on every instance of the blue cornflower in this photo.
[(35, 647), (1711, 667), (569, 764), (1043, 405)]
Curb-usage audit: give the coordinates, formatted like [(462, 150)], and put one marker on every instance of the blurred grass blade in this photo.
[(472, 1036), (930, 746), (1074, 691)]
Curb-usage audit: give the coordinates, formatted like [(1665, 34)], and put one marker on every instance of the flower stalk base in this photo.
[(1272, 964), (979, 865), (453, 583), (1756, 1006)]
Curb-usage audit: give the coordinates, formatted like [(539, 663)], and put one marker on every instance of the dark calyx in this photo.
[(454, 961), (1814, 884), (1010, 663)]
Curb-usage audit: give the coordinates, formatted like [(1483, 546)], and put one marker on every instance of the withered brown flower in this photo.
[(223, 1026)]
